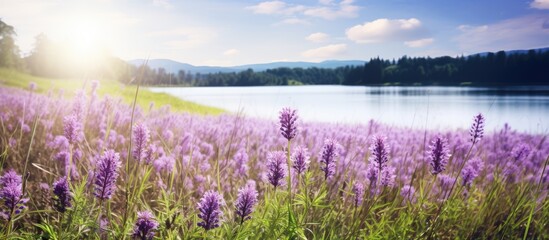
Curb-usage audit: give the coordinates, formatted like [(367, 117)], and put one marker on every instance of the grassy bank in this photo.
[(14, 78)]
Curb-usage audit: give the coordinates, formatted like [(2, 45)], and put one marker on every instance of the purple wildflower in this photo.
[(300, 159), (240, 161), (438, 155), (477, 129), (288, 118), (277, 167), (358, 191), (107, 172), (11, 194), (164, 163), (471, 171), (330, 152), (210, 210), (245, 202), (141, 139), (32, 86), (62, 193), (72, 129), (379, 153), (144, 226), (408, 192)]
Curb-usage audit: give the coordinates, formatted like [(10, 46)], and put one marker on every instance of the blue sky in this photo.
[(226, 33)]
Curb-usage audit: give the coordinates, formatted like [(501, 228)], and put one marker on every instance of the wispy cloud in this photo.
[(292, 21), (317, 37), (275, 7), (516, 33), (326, 9), (345, 9), (540, 4), (419, 43), (386, 30), (326, 51), (163, 3), (231, 52), (182, 38)]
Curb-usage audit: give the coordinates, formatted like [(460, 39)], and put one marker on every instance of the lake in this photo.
[(524, 108)]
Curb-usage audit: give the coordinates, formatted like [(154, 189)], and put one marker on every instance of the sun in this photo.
[(85, 40)]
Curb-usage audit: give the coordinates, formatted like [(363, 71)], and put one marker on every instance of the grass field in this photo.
[(14, 78)]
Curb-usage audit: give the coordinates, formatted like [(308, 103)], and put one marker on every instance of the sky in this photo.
[(230, 33)]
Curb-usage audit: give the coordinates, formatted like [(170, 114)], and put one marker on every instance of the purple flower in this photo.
[(245, 202), (471, 171), (62, 193), (141, 138), (72, 129), (408, 192), (32, 86), (11, 194), (144, 226), (330, 152), (288, 118), (358, 191), (277, 167), (380, 154), (477, 129), (107, 172), (10, 177), (300, 159), (164, 163), (210, 210), (438, 155)]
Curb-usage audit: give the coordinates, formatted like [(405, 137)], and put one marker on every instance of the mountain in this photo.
[(174, 66)]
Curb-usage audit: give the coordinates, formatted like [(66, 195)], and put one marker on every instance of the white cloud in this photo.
[(231, 52), (275, 7), (386, 30), (326, 51), (163, 3), (326, 2), (526, 32), (326, 9), (185, 37), (345, 9), (540, 4), (292, 21), (419, 43), (317, 37)]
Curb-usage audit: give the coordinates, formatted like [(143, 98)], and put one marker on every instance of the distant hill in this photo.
[(174, 66)]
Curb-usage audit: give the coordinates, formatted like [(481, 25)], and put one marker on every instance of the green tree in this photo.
[(9, 52)]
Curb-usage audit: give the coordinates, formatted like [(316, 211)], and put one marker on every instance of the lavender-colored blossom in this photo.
[(330, 153), (141, 136), (470, 171), (477, 129), (380, 152), (300, 159), (10, 177), (408, 192), (245, 202), (107, 172), (164, 163), (72, 129), (11, 194), (209, 209), (240, 161), (438, 155), (388, 177), (32, 86), (358, 191), (145, 225), (288, 125), (63, 196), (520, 152), (277, 167)]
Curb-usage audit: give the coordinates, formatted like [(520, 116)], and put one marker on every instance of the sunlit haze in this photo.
[(226, 33)]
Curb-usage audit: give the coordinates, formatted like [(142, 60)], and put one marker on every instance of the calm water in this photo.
[(525, 109)]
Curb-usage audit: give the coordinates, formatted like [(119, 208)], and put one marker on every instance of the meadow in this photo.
[(91, 166)]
